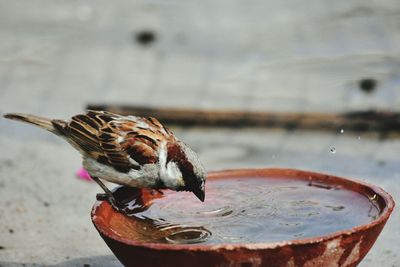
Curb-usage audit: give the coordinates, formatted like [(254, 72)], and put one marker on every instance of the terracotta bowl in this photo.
[(342, 248)]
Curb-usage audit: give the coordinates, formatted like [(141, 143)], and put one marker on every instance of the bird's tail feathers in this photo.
[(54, 126)]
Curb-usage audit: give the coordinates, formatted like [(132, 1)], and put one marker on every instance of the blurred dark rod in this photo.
[(375, 121)]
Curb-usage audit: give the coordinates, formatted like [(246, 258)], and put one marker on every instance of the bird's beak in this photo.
[(200, 194)]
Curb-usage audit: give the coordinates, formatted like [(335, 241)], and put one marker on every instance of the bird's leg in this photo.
[(108, 195)]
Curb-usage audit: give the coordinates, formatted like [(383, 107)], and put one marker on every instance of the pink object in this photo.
[(83, 174)]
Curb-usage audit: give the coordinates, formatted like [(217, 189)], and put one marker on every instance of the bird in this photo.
[(127, 150)]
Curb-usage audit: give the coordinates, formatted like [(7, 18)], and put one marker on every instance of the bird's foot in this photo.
[(118, 206)]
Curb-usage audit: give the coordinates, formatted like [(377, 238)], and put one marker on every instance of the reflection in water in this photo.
[(138, 201), (243, 210)]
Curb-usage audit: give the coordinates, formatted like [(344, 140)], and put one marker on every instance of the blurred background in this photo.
[(320, 60)]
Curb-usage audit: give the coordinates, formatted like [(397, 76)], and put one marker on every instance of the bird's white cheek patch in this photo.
[(172, 178)]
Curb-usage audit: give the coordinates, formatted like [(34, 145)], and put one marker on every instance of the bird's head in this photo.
[(184, 171)]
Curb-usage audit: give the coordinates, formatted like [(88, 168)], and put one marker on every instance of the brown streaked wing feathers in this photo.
[(98, 132), (89, 133), (84, 135), (159, 126), (140, 143)]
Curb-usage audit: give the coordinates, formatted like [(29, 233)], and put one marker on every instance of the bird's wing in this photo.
[(123, 142)]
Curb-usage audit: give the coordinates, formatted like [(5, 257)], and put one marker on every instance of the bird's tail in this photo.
[(54, 126)]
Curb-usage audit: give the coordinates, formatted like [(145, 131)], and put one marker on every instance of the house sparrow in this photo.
[(128, 150)]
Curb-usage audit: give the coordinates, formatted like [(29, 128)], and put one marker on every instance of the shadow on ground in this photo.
[(98, 261)]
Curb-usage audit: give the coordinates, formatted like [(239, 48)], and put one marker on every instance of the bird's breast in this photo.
[(146, 177)]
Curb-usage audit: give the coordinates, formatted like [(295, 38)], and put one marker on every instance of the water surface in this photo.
[(251, 210)]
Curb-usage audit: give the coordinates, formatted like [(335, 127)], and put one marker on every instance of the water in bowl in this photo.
[(245, 210)]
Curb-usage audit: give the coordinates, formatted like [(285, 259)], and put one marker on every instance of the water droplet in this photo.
[(309, 181), (341, 131), (359, 137), (333, 150)]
